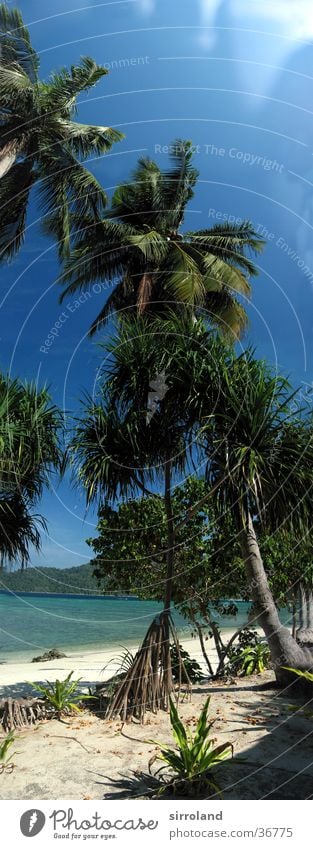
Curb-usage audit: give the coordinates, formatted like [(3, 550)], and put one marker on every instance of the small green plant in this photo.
[(192, 667), (250, 656), (254, 659), (63, 696), (5, 745), (187, 768), (122, 663)]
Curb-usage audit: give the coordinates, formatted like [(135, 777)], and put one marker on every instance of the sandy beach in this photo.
[(85, 756), (91, 666)]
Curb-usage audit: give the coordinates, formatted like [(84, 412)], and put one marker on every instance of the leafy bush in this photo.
[(254, 659), (191, 665), (62, 695), (187, 768), (250, 656)]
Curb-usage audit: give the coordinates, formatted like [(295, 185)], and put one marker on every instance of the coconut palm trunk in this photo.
[(285, 651), (8, 154), (169, 570), (170, 536), (149, 681)]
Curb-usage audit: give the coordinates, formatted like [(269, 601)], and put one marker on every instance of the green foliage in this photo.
[(191, 665), (139, 247), (5, 745), (132, 542), (250, 655), (63, 696), (288, 556), (254, 659), (189, 766), (77, 579), (259, 447), (122, 663), (30, 451), (41, 142), (308, 676)]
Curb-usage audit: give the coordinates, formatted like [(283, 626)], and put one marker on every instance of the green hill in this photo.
[(78, 579)]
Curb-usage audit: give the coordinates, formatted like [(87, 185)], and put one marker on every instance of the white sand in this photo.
[(82, 757), (91, 666)]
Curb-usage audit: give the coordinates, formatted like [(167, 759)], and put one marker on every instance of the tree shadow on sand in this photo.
[(22, 689), (277, 765)]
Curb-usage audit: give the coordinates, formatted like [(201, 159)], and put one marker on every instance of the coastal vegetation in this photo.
[(230, 414), (77, 579), (5, 754), (189, 769), (63, 697), (31, 429), (42, 146), (140, 250), (198, 458)]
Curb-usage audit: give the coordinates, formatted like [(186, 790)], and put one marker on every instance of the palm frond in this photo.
[(19, 530), (182, 277), (14, 82), (121, 302), (218, 274), (224, 312), (66, 186), (85, 140), (152, 245), (16, 46), (139, 203), (102, 451), (65, 85), (179, 182), (15, 187)]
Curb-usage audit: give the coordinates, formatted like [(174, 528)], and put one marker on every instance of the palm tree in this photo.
[(123, 445), (41, 143), (139, 248), (260, 468), (30, 451)]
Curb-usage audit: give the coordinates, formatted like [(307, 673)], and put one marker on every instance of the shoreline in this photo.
[(92, 596), (89, 665)]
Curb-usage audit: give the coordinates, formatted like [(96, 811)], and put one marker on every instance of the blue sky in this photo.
[(233, 76)]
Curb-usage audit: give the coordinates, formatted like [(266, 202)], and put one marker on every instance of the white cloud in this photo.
[(146, 6), (292, 19), (208, 10)]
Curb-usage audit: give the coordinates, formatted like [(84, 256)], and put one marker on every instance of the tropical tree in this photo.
[(128, 442), (260, 466), (30, 451), (41, 143), (140, 249), (130, 554)]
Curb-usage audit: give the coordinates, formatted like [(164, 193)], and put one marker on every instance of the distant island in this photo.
[(77, 579)]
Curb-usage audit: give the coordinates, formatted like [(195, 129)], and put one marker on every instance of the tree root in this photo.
[(22, 713), (148, 683)]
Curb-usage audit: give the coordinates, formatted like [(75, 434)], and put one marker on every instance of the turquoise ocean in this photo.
[(31, 623)]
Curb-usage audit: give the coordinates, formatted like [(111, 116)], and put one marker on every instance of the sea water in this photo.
[(31, 623)]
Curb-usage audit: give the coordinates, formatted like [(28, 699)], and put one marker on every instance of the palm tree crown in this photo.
[(140, 249), (41, 143), (30, 450), (259, 445)]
